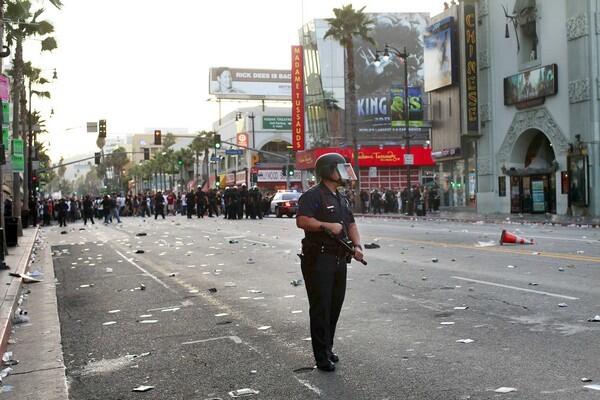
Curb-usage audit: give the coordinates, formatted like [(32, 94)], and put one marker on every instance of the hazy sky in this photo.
[(144, 63)]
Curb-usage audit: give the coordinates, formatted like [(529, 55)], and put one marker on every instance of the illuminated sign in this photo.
[(297, 99), (471, 67)]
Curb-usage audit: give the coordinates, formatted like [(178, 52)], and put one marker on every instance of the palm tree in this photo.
[(24, 23), (118, 159), (347, 25), (201, 143)]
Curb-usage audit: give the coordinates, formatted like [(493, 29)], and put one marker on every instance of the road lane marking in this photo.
[(144, 271), (235, 340), (257, 242), (515, 288), (499, 249)]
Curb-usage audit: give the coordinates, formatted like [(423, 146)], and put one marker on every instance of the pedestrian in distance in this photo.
[(88, 210), (62, 212), (107, 208), (159, 205), (190, 203), (330, 231)]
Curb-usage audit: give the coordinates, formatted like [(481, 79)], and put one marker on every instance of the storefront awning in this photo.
[(369, 156)]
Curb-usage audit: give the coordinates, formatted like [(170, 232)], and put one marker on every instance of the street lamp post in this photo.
[(404, 56)]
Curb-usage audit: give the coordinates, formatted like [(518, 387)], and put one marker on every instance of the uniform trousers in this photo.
[(325, 279)]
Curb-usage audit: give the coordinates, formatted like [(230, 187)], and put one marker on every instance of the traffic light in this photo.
[(217, 141), (284, 170), (35, 182), (97, 158), (290, 170), (146, 154), (218, 183), (157, 138), (179, 161), (102, 128)]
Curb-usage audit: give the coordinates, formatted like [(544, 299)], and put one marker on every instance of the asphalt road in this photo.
[(398, 332)]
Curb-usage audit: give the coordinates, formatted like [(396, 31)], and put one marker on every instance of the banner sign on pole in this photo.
[(17, 147), (18, 162), (297, 98), (4, 87)]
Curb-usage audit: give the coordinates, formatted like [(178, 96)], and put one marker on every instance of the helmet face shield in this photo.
[(346, 172)]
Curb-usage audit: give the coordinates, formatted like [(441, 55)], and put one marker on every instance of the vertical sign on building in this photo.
[(297, 98), (471, 67)]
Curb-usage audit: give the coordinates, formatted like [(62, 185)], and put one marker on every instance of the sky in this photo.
[(141, 64)]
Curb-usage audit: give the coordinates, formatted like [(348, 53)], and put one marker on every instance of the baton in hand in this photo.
[(344, 244)]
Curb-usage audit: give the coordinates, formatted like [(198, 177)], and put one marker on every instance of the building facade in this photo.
[(268, 129), (515, 128), (379, 129), (538, 107)]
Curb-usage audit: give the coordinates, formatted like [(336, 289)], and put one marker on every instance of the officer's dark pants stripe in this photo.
[(326, 286)]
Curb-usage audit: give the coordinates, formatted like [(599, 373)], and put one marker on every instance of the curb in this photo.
[(12, 295), (483, 219)]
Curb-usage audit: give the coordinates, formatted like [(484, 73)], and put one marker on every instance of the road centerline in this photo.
[(562, 296)]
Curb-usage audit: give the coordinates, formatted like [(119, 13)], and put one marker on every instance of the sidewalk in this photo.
[(17, 259), (473, 217), (40, 374)]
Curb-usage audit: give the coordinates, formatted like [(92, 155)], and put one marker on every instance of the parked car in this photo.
[(285, 202)]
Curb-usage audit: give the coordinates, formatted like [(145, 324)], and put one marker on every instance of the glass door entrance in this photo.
[(532, 194)]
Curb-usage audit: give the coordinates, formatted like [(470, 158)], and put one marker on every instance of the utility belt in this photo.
[(310, 250)]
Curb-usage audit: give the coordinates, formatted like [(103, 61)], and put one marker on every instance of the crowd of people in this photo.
[(420, 199), (230, 203)]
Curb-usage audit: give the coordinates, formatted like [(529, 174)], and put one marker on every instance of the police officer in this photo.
[(190, 199), (201, 202), (325, 217)]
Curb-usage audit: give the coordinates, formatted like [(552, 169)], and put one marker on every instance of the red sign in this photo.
[(374, 156), (242, 139), (305, 159), (297, 98)]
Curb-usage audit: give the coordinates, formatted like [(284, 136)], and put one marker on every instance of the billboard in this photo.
[(250, 84), (415, 107), (531, 85), (375, 80), (439, 56)]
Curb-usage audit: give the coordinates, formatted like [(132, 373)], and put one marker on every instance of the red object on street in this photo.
[(511, 238)]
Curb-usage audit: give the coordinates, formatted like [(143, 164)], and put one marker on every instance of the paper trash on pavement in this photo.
[(486, 244), (595, 319), (466, 341), (142, 388), (243, 392), (504, 389)]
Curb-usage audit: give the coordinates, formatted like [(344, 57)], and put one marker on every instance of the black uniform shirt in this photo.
[(320, 203)]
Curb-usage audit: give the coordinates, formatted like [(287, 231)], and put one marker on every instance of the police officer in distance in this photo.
[(325, 216)]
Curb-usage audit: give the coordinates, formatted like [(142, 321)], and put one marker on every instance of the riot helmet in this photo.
[(330, 162)]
